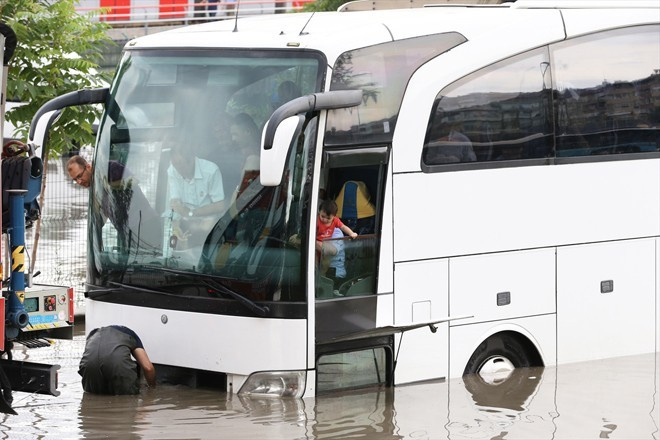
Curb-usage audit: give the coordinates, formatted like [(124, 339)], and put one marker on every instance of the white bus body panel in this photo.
[(657, 302), (386, 277), (594, 325), (464, 339), (582, 21), (228, 344), (421, 294), (528, 277), (482, 211)]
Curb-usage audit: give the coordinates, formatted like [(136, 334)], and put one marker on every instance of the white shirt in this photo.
[(204, 188)]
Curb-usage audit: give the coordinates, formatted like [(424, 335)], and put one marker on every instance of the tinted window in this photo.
[(199, 113), (499, 113), (608, 92), (382, 73)]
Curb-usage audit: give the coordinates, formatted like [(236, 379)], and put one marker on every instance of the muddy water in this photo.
[(617, 398)]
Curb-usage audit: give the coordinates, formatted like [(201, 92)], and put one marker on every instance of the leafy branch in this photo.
[(58, 51)]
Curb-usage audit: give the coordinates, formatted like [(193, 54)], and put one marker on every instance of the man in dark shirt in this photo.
[(106, 366)]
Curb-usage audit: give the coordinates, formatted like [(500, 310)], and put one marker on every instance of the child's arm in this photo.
[(348, 231)]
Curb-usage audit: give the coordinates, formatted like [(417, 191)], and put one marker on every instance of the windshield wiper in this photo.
[(211, 281)]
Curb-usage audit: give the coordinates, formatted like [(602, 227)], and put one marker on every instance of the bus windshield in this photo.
[(176, 204)]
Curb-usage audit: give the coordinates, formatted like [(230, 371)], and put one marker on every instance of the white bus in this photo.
[(500, 164)]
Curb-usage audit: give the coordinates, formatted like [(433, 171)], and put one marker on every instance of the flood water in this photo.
[(616, 398)]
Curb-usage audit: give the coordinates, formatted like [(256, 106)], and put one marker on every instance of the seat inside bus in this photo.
[(354, 207)]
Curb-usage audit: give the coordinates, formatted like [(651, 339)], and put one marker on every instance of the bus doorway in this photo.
[(346, 271), (346, 274)]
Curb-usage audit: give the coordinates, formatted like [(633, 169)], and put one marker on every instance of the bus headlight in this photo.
[(275, 383)]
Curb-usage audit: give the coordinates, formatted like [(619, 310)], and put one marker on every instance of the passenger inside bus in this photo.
[(352, 187), (286, 91), (219, 149), (453, 147), (245, 138), (327, 222), (196, 197), (331, 268)]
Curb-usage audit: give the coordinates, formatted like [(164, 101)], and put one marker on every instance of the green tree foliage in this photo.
[(324, 5), (58, 52)]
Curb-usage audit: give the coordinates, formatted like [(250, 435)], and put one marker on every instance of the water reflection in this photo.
[(369, 414), (521, 407), (616, 398)]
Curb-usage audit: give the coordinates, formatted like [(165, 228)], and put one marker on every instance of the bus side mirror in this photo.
[(285, 124), (273, 159)]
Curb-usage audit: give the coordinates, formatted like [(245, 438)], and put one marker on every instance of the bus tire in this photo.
[(505, 348)]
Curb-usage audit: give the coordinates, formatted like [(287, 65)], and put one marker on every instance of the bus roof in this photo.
[(375, 5), (336, 32)]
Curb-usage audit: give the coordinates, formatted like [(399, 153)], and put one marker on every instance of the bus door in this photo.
[(346, 270)]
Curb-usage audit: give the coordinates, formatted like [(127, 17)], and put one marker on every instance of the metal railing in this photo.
[(120, 13)]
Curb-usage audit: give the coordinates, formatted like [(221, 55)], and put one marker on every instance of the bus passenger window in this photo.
[(604, 93), (499, 113)]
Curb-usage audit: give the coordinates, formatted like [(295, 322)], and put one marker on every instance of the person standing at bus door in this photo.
[(107, 365)]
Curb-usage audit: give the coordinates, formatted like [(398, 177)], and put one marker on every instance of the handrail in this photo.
[(347, 238)]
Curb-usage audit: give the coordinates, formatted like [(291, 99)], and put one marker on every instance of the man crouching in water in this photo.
[(106, 366)]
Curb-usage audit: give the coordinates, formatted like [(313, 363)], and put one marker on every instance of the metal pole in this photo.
[(16, 314)]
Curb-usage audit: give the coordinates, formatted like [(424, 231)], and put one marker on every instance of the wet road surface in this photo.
[(617, 398)]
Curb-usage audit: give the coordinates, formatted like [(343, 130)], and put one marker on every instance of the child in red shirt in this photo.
[(326, 223)]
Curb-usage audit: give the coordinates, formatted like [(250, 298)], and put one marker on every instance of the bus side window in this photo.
[(500, 113), (605, 104)]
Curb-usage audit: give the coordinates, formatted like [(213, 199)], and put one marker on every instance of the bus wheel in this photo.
[(496, 358)]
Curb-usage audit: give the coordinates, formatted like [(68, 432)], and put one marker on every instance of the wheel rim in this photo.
[(495, 370)]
